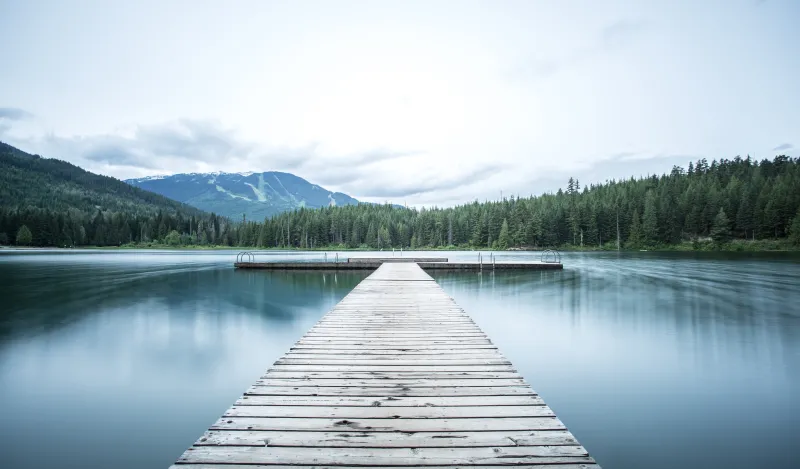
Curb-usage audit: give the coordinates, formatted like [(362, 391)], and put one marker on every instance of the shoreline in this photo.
[(733, 246)]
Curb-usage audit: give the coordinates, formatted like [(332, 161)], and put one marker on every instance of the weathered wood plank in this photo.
[(401, 346), (403, 362), (393, 342), (392, 333), (392, 368), (351, 390), (375, 324), (388, 456), (392, 355), (350, 412), (345, 439), (395, 382), (273, 466), (390, 425), (492, 355), (388, 401), (405, 327), (392, 375)]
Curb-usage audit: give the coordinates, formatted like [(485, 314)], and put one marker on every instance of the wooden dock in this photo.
[(397, 374)]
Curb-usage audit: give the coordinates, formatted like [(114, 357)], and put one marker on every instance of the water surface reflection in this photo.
[(124, 364), (122, 359), (676, 361)]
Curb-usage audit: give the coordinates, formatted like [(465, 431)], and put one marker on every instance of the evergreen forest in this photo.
[(706, 205), (736, 202)]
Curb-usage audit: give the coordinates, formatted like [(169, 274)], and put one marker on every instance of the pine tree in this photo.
[(534, 234), (721, 229), (794, 229), (372, 236), (635, 235), (24, 236), (504, 239), (650, 220), (744, 217)]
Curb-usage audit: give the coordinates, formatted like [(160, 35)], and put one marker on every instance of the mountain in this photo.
[(49, 202), (256, 195), (30, 181)]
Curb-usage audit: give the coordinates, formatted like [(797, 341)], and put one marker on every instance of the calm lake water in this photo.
[(122, 359)]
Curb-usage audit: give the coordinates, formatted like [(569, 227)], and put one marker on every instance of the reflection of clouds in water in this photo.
[(630, 347), (43, 297), (707, 308), (142, 356), (624, 347)]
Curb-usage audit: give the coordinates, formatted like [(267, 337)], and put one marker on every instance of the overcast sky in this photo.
[(417, 102)]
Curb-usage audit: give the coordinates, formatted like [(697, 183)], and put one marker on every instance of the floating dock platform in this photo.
[(397, 375), (372, 263)]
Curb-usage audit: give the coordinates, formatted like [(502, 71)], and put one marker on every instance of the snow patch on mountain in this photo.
[(235, 196), (151, 178), (259, 193)]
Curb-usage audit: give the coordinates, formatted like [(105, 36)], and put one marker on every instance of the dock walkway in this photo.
[(397, 374)]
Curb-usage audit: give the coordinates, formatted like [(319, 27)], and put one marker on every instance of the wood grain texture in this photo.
[(477, 424), (396, 375), (356, 439), (385, 392), (434, 400)]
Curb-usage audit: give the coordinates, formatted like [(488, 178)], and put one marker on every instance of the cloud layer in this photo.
[(14, 114), (418, 102), (189, 145)]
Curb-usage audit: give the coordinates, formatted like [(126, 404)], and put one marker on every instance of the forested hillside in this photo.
[(49, 202), (714, 203)]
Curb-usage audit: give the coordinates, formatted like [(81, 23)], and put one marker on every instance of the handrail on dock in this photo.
[(245, 256), (551, 256)]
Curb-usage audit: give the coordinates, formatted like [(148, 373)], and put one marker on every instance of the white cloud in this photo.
[(429, 102)]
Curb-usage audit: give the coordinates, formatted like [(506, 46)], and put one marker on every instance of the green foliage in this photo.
[(504, 240), (654, 212), (794, 230), (24, 236), (635, 234), (721, 230), (31, 181), (173, 238), (649, 229), (59, 204), (62, 205)]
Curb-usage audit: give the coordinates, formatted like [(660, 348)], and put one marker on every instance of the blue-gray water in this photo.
[(122, 359)]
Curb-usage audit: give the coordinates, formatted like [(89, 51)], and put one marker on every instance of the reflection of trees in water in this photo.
[(708, 305), (38, 298)]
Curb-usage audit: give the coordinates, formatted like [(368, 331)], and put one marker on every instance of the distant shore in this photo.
[(763, 245)]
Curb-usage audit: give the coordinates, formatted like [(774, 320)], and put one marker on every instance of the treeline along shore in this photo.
[(736, 203), (727, 204)]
